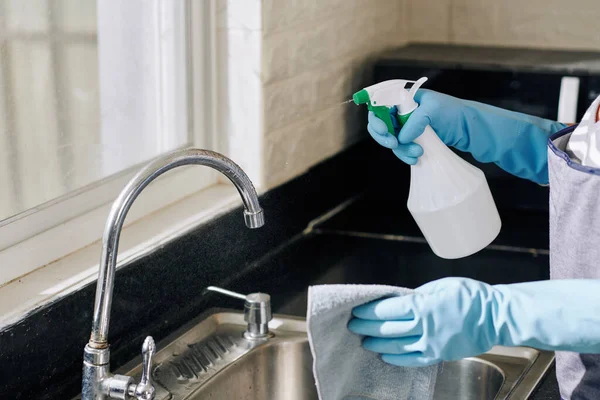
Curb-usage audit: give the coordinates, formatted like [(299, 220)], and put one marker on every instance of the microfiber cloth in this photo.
[(343, 370)]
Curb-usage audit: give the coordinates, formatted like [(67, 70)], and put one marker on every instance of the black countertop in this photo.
[(548, 388)]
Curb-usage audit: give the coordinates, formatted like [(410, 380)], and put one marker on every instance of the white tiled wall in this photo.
[(314, 55), (530, 23)]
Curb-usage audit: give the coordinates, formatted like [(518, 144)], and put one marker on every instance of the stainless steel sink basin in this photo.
[(276, 371), (212, 360), (469, 379)]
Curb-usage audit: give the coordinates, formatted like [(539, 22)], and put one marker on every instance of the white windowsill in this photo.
[(66, 275)]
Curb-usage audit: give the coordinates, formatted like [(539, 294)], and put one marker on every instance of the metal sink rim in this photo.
[(284, 325)]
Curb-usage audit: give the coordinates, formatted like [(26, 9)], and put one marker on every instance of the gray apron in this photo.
[(574, 251)]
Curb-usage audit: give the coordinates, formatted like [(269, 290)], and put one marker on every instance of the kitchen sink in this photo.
[(212, 360)]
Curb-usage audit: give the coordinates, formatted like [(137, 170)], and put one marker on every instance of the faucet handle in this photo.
[(257, 311), (145, 390)]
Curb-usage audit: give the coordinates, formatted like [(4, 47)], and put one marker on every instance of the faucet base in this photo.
[(95, 372), (100, 384)]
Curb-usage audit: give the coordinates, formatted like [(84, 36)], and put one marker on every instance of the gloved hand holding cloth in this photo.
[(453, 318)]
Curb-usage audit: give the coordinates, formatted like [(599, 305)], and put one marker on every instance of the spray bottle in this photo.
[(449, 198)]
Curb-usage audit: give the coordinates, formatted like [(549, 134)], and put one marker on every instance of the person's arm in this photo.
[(514, 141), (454, 318)]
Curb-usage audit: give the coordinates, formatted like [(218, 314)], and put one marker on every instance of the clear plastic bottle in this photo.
[(451, 201), (449, 198)]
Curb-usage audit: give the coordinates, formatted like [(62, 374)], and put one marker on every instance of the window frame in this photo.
[(63, 226)]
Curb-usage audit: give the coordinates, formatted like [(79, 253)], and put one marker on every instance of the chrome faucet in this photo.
[(98, 383)]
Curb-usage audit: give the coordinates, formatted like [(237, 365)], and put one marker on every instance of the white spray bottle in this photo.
[(449, 198)]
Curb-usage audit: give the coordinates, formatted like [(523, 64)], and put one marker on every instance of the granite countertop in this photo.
[(548, 388)]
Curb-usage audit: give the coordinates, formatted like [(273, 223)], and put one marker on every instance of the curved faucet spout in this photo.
[(253, 216)]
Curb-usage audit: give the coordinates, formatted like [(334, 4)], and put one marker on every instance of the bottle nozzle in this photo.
[(361, 97)]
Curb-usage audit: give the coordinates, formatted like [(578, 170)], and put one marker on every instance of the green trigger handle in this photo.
[(383, 113)]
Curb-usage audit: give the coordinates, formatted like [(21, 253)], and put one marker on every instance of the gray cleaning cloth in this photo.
[(343, 370)]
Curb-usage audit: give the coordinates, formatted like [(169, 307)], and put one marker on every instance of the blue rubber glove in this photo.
[(515, 142), (453, 318)]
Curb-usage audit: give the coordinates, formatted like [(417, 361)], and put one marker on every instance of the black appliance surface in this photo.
[(518, 79)]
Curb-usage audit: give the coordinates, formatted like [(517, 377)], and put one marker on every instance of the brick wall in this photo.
[(291, 63), (315, 55), (283, 69), (527, 23)]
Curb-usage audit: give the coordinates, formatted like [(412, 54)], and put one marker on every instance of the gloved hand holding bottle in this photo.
[(453, 318), (515, 142)]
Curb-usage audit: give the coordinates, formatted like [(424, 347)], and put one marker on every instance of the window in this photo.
[(89, 90)]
